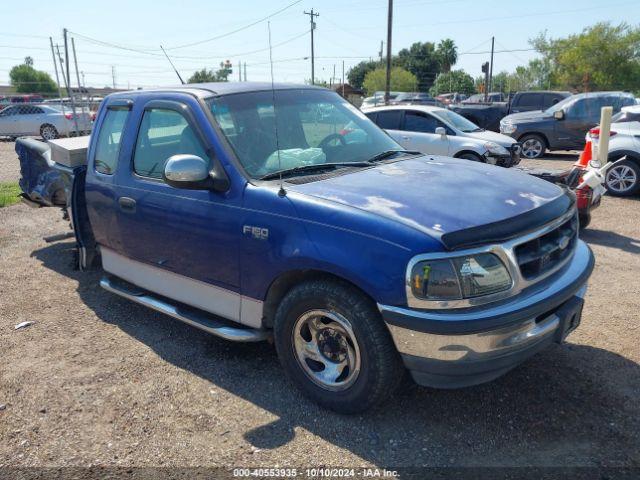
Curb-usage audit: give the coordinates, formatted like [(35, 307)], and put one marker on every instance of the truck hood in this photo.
[(489, 136), (440, 195), (531, 116)]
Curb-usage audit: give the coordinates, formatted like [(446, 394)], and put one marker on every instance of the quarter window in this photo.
[(163, 133), (108, 146)]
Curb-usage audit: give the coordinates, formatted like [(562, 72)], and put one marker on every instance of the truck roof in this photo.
[(221, 88)]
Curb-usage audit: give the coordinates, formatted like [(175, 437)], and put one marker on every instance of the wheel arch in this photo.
[(468, 151), (630, 154), (284, 282)]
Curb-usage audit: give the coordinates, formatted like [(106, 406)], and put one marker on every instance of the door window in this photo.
[(9, 111), (163, 133), (29, 110), (419, 122), (108, 145), (389, 119), (529, 100)]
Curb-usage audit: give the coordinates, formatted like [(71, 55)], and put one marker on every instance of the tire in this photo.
[(533, 146), (48, 131), (623, 178), (351, 344), (474, 157), (584, 220)]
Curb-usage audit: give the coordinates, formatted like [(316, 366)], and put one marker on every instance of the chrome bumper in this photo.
[(469, 346)]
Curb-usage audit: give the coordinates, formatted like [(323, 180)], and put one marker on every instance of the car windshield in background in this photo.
[(560, 105), (314, 127), (456, 120)]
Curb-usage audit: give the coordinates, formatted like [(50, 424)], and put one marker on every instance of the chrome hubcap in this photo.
[(48, 133), (532, 148), (326, 349), (621, 179)]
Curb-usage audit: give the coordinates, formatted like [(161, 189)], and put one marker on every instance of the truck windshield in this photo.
[(314, 127), (458, 121)]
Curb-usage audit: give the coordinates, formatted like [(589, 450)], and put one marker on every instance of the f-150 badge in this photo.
[(256, 232)]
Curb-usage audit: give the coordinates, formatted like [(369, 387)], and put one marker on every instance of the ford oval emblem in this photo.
[(564, 242)]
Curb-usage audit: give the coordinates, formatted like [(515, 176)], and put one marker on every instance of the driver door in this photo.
[(419, 133), (193, 233)]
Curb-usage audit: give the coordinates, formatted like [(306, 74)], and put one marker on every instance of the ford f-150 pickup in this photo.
[(241, 209)]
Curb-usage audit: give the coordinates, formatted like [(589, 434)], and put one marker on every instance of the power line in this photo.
[(211, 39)]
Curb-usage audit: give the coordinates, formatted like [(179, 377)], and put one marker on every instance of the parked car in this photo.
[(361, 259), (563, 125), (623, 177), (48, 121), (378, 99), (438, 131), (5, 101), (488, 115), (416, 98), (449, 98)]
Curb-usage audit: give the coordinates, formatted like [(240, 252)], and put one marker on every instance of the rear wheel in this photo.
[(335, 347), (533, 146), (623, 178), (48, 132)]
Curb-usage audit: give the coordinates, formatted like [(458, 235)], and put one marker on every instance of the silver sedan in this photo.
[(47, 121)]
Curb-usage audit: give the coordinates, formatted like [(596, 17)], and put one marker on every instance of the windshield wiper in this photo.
[(311, 168), (390, 153)]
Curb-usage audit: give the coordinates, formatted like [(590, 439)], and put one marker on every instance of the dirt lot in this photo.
[(97, 380)]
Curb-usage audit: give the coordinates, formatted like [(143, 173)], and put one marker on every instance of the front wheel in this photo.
[(471, 156), (623, 178), (334, 346), (533, 146)]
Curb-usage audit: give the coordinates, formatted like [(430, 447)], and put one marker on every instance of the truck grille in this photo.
[(546, 253)]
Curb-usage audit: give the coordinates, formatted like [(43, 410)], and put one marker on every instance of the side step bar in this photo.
[(194, 318)]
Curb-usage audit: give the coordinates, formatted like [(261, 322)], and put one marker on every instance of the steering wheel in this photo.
[(333, 136)]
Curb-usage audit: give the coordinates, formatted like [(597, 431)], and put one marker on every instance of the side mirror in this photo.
[(441, 131), (192, 173), (558, 114)]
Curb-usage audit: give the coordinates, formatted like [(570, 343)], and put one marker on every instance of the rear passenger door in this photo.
[(9, 121), (193, 233)]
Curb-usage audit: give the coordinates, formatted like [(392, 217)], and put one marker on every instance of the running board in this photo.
[(193, 318)]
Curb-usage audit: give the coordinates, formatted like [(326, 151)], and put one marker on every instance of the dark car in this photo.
[(488, 114), (416, 98), (563, 125)]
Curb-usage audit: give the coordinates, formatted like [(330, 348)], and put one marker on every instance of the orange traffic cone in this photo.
[(585, 156)]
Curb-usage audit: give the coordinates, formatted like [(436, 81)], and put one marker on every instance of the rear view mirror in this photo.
[(558, 114), (441, 131), (192, 172)]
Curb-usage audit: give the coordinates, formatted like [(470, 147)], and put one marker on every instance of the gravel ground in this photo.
[(9, 166), (98, 380)]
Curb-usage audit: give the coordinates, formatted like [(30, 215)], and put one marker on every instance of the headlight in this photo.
[(496, 149), (457, 278), (507, 128)]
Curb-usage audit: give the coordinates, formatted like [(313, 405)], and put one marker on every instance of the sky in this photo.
[(124, 37)]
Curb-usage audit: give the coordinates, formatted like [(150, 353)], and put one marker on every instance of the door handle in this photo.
[(127, 204)]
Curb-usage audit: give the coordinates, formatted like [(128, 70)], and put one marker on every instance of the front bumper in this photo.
[(457, 348), (510, 160)]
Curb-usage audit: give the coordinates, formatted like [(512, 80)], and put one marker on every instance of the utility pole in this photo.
[(381, 49), (66, 54), (485, 70), (245, 71), (333, 78), (313, 27), (491, 69), (55, 66), (67, 84), (239, 71), (342, 78), (113, 75), (389, 28)]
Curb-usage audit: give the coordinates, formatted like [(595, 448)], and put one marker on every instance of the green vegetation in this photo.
[(26, 79), (401, 80), (9, 192), (204, 75), (454, 81)]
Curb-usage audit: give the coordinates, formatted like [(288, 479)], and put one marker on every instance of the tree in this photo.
[(421, 60), (602, 57), (204, 75), (455, 81), (356, 74), (447, 54), (26, 79), (401, 80)]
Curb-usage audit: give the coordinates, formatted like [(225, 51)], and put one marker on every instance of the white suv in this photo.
[(623, 178), (438, 131)]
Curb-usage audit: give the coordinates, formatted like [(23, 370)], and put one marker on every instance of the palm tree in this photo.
[(447, 54)]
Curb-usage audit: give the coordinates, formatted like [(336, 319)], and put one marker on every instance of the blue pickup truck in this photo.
[(252, 212)]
